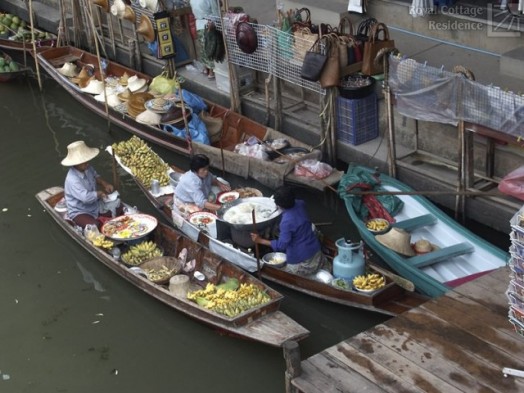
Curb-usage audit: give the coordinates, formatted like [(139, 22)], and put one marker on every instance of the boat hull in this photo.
[(462, 254)]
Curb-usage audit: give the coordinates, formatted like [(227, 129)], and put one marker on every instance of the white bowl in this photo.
[(275, 259), (324, 276)]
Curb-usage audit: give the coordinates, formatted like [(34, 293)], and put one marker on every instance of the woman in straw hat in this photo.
[(194, 187), (80, 189), (202, 9), (296, 236)]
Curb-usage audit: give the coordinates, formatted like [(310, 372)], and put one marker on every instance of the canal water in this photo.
[(69, 324)]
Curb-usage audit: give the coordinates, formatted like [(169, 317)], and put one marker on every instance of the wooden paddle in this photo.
[(400, 281), (257, 252)]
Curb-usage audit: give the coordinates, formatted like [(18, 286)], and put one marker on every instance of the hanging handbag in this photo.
[(314, 62), (373, 46), (364, 29), (302, 19), (304, 39), (330, 76)]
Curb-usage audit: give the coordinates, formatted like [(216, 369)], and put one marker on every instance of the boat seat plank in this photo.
[(416, 222), (60, 61), (441, 255)]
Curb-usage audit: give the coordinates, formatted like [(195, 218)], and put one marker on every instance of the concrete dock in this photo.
[(459, 342)]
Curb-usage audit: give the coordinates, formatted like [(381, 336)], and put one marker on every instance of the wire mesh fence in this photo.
[(278, 53), (432, 94)]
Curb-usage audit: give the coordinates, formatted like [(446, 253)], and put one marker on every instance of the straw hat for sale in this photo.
[(104, 4), (148, 117), (151, 5), (136, 103), (68, 69), (129, 14), (423, 246), (118, 8), (125, 95), (136, 84), (397, 240), (83, 76), (124, 79), (78, 153), (145, 28), (112, 99), (94, 86), (175, 117)]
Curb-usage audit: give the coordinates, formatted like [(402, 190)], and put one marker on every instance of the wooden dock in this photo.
[(459, 342)]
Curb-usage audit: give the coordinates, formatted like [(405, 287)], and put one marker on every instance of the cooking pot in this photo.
[(240, 233)]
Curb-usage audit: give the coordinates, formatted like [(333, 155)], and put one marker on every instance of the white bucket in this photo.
[(179, 285)]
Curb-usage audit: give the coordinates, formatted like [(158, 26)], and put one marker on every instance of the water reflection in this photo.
[(69, 324)]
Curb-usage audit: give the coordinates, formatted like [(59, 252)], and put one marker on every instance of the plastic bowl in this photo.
[(174, 177)]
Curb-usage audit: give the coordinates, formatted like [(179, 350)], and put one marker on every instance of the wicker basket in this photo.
[(171, 263)]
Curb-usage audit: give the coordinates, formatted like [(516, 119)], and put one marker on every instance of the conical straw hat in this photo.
[(129, 14), (136, 84), (82, 77), (94, 86), (125, 95), (145, 28), (148, 117), (397, 240), (78, 153)]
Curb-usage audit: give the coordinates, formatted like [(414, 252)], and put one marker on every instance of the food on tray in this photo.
[(377, 224), (129, 226), (202, 218), (248, 192), (141, 252), (369, 282), (228, 197)]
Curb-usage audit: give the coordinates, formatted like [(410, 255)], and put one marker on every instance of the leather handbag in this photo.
[(330, 76), (314, 62), (373, 46)]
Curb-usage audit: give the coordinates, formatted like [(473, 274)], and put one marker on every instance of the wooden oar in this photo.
[(257, 251), (400, 281)]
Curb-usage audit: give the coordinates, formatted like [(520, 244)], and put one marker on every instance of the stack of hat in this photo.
[(175, 117), (124, 79), (148, 117), (68, 69), (159, 105), (124, 96), (93, 86), (136, 103), (111, 98), (83, 77), (136, 84)]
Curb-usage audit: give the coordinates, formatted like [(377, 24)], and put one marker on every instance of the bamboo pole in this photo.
[(234, 92), (101, 70), (31, 21), (109, 19)]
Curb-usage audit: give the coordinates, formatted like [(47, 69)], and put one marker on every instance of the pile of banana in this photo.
[(141, 252), (102, 242), (161, 274), (369, 282), (144, 163), (229, 302)]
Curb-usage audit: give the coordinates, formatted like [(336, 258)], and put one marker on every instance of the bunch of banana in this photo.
[(161, 274), (141, 252), (369, 282), (102, 242), (143, 162), (227, 301)]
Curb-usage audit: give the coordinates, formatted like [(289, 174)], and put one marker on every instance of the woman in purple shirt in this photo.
[(297, 238), (80, 188)]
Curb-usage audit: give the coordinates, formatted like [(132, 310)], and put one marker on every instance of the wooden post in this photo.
[(277, 96), (293, 366), (234, 92), (31, 20)]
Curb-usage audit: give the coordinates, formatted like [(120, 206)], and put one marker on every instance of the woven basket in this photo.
[(157, 263)]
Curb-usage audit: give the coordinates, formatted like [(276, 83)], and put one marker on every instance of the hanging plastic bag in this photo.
[(162, 84), (513, 183)]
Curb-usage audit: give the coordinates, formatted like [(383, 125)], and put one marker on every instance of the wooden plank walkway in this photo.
[(459, 342)]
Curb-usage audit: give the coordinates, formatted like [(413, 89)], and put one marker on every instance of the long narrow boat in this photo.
[(13, 39), (10, 71), (389, 300), (459, 255), (236, 128), (263, 323)]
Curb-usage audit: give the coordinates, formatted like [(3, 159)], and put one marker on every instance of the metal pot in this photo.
[(240, 232)]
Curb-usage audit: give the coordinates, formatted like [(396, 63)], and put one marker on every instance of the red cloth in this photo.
[(376, 210)]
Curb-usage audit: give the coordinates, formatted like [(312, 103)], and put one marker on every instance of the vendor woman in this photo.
[(297, 238), (194, 186)]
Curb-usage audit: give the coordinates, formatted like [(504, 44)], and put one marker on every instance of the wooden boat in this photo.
[(235, 128), (389, 300), (263, 323), (14, 72), (22, 41), (461, 255)]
